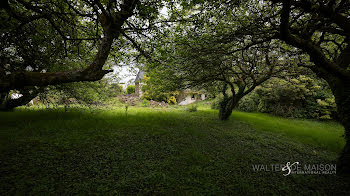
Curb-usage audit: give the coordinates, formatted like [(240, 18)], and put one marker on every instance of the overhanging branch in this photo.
[(324, 65), (112, 27)]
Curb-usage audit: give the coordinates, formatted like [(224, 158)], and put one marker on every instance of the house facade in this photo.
[(188, 96), (185, 97)]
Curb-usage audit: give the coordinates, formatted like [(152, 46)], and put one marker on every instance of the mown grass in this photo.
[(328, 135), (162, 151)]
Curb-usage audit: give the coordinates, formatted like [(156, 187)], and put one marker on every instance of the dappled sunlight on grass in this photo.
[(325, 134)]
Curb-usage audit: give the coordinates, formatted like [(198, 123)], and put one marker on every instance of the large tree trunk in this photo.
[(341, 91), (4, 97), (8, 104), (336, 73), (19, 80), (226, 107)]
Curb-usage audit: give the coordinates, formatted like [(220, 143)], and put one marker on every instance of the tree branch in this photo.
[(112, 28), (322, 63)]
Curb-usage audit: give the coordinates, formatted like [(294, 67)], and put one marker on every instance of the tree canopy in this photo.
[(316, 32)]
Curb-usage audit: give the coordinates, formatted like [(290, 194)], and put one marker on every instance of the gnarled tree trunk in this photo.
[(341, 91), (8, 104), (4, 96), (336, 71), (226, 107)]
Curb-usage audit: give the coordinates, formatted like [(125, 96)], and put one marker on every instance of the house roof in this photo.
[(193, 91), (139, 76)]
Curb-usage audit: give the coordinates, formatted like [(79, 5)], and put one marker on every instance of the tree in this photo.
[(318, 31), (194, 61), (51, 42), (321, 29)]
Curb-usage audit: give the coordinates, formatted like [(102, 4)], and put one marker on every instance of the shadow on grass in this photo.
[(157, 151)]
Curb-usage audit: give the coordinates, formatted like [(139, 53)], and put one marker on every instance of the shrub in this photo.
[(301, 97), (326, 108), (145, 103), (116, 89), (249, 103), (130, 89)]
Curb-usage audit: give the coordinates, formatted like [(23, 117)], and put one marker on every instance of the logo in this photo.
[(288, 168), (297, 168)]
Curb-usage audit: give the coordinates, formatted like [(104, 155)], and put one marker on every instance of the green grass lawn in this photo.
[(163, 151)]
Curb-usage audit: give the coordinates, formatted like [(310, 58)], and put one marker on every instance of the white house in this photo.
[(187, 97), (17, 95)]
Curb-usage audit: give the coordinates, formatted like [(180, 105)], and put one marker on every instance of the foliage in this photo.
[(130, 89), (97, 93), (193, 58), (145, 103), (115, 89), (172, 100), (249, 103), (153, 95), (158, 90), (216, 103), (326, 108), (300, 97), (55, 42)]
